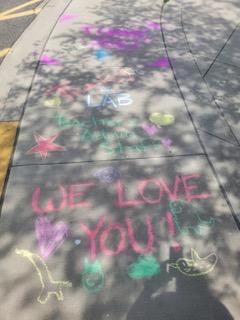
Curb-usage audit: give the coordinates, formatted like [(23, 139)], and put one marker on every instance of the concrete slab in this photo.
[(225, 158), (21, 62), (109, 132), (198, 98), (230, 54), (124, 201), (232, 114)]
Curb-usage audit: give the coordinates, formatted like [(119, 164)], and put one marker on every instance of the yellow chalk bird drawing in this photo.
[(49, 286), (195, 266)]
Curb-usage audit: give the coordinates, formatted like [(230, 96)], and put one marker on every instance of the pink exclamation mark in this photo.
[(172, 231)]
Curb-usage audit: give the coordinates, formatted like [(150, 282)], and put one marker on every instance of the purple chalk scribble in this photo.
[(152, 25), (50, 236), (117, 38), (107, 174), (66, 17), (46, 59), (150, 129), (159, 63), (166, 142)]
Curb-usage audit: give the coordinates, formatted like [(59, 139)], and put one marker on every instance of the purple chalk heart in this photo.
[(107, 174), (166, 142), (151, 129), (50, 236), (46, 59)]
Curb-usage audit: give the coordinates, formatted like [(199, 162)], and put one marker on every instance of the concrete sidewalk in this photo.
[(121, 200)]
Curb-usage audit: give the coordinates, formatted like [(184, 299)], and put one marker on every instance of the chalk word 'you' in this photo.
[(72, 195)]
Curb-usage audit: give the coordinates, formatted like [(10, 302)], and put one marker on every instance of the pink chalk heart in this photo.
[(50, 236), (66, 17), (151, 129), (46, 59), (159, 63)]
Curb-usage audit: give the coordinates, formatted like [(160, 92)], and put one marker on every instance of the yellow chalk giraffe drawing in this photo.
[(49, 286)]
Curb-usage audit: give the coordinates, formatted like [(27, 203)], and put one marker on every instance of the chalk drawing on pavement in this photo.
[(107, 174), (195, 266), (161, 63), (166, 142), (52, 102), (116, 100), (101, 54), (92, 276), (146, 266), (187, 218), (161, 119), (45, 145), (49, 60), (50, 236), (150, 129), (67, 17), (49, 286)]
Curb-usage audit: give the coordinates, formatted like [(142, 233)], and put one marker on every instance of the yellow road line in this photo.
[(20, 14), (11, 13), (4, 13), (4, 52), (7, 137)]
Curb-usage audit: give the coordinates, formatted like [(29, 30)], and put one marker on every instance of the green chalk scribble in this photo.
[(146, 266), (93, 276)]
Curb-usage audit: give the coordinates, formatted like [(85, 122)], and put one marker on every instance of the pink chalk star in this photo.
[(67, 17), (45, 145)]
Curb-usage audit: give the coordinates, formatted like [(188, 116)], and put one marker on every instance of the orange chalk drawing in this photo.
[(49, 286)]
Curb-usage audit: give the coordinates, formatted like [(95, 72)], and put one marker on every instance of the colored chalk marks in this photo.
[(101, 54), (45, 145), (107, 174), (49, 60), (7, 137), (53, 102), (49, 286), (187, 218), (161, 119), (146, 266), (195, 266), (92, 276), (50, 236)]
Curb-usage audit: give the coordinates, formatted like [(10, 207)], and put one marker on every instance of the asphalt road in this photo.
[(11, 29)]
